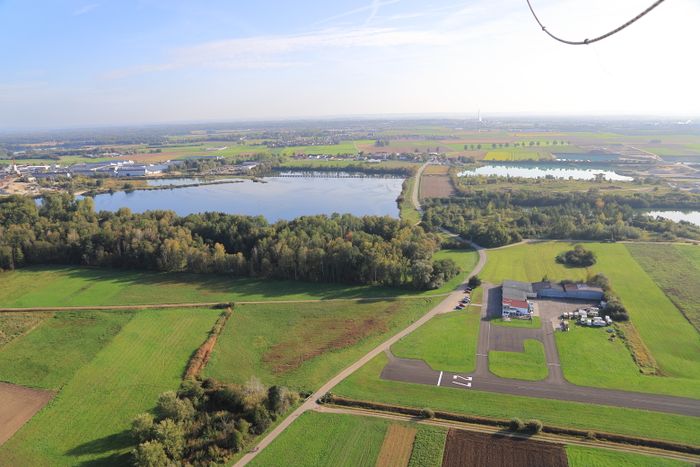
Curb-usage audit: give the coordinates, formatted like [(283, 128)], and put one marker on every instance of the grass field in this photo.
[(580, 456), (316, 439), (465, 259), (534, 323), (407, 212), (366, 385), (303, 345), (49, 355), (446, 342), (676, 269), (13, 325), (530, 365), (428, 447), (674, 343), (88, 420), (93, 287), (589, 358)]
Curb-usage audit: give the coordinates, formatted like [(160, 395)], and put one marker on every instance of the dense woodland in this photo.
[(495, 218), (339, 248)]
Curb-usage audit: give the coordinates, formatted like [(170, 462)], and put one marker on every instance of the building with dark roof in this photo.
[(517, 295)]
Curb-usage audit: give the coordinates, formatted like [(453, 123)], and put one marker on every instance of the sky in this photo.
[(68, 63)]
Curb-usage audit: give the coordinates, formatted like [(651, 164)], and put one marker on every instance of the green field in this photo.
[(428, 447), (534, 323), (589, 358), (365, 384), (317, 439), (516, 155), (49, 355), (302, 345), (676, 269), (446, 343), (87, 421), (66, 286), (589, 457), (530, 365), (674, 343), (14, 325)]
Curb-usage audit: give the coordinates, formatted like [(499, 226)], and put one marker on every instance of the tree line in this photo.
[(495, 218), (337, 248)]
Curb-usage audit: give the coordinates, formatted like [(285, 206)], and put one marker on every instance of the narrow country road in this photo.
[(310, 404)]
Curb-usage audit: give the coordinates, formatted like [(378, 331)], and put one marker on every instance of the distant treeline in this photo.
[(339, 248), (492, 218), (364, 168)]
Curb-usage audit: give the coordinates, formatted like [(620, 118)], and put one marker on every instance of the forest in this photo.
[(495, 218), (337, 248)]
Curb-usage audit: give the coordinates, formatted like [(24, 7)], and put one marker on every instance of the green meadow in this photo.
[(580, 456), (530, 365)]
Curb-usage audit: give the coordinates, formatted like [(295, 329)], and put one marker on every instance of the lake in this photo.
[(543, 170), (277, 198), (689, 216), (187, 181)]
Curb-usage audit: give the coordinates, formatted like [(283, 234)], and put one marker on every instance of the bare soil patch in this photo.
[(19, 404), (464, 448), (397, 446), (436, 186)]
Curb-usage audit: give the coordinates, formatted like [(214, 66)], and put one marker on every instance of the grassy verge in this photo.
[(589, 457), (317, 439), (48, 356), (302, 345), (530, 365), (407, 211), (446, 342), (88, 420), (590, 358), (428, 447), (366, 385), (534, 323)]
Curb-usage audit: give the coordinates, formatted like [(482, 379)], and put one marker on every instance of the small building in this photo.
[(517, 295)]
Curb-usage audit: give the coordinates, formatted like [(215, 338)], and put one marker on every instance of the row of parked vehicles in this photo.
[(466, 300), (588, 317)]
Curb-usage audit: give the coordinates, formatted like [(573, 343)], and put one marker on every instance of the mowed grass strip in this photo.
[(530, 365), (74, 286), (580, 456), (676, 269), (446, 343), (397, 446), (534, 323), (365, 384), (302, 345), (325, 439), (49, 355), (428, 447), (590, 358), (88, 421)]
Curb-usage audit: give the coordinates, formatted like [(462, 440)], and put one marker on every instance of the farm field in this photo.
[(365, 384), (530, 365), (446, 343), (74, 286), (673, 342), (464, 448), (49, 355), (318, 439), (19, 404), (87, 422), (13, 325), (589, 457), (397, 446), (428, 447), (589, 358), (676, 269), (302, 345), (516, 155), (436, 186)]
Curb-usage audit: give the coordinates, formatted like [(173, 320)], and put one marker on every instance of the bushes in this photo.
[(427, 413), (579, 257), (206, 422), (516, 425), (474, 282), (531, 426)]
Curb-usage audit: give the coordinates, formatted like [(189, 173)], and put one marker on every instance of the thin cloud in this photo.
[(372, 8), (85, 9)]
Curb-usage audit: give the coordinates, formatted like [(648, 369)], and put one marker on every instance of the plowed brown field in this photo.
[(397, 446), (19, 404), (464, 448)]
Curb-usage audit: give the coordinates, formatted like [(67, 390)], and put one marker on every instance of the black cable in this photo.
[(595, 39)]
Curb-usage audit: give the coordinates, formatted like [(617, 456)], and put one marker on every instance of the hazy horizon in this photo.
[(144, 62)]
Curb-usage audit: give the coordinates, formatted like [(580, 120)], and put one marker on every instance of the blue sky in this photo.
[(89, 63)]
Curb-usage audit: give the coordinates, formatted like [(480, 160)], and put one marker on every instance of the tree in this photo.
[(170, 406), (474, 281), (578, 257), (172, 436), (150, 454), (534, 426), (516, 424), (142, 427)]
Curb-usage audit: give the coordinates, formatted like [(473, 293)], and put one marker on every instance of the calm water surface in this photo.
[(278, 198), (542, 170), (689, 216)]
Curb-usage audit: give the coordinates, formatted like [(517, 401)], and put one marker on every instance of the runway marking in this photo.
[(439, 379), (464, 378), (481, 355), (467, 385), (553, 364)]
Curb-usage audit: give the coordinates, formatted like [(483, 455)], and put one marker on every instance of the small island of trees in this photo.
[(579, 257)]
